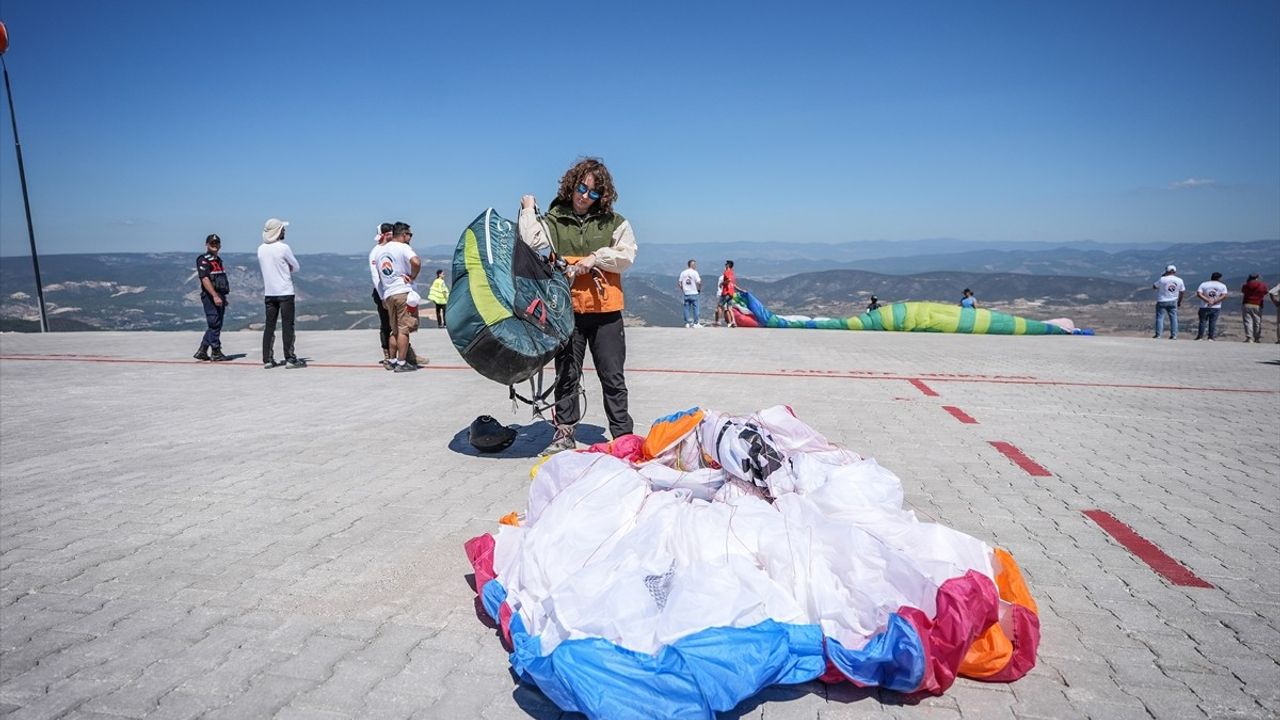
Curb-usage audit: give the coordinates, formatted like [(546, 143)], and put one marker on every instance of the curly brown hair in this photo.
[(594, 167)]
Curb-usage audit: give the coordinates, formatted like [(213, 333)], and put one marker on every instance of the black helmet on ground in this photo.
[(489, 435)]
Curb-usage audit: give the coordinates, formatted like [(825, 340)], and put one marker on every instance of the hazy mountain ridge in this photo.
[(158, 291)]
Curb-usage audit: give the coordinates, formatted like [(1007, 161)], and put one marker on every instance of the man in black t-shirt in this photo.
[(214, 291)]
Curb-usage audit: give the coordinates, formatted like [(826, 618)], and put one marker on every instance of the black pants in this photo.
[(440, 314), (384, 320), (213, 314), (603, 333), (281, 305)]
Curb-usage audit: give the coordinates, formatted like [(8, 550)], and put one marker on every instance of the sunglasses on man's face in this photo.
[(584, 190)]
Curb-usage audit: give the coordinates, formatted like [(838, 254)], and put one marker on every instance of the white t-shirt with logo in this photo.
[(1213, 290), (278, 265), (392, 263), (1168, 288), (689, 281)]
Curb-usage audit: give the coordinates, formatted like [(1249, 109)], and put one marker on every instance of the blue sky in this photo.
[(146, 125)]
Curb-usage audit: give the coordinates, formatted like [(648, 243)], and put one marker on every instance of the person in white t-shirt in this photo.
[(1169, 293), (690, 284), (1211, 294), (278, 266), (397, 267)]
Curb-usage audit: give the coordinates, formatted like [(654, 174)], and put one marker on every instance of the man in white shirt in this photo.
[(397, 267), (1211, 294), (690, 284), (278, 266), (1169, 293)]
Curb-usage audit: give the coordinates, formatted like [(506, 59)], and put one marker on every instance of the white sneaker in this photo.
[(697, 325), (688, 325)]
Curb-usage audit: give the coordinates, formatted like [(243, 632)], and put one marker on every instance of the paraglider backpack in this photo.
[(509, 312)]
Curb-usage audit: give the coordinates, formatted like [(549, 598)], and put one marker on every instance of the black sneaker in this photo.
[(267, 365), (217, 355), (405, 367), (295, 363), (202, 355)]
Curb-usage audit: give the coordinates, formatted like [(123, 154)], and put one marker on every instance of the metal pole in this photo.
[(26, 203)]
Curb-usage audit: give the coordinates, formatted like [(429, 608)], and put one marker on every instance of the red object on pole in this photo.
[(4, 38)]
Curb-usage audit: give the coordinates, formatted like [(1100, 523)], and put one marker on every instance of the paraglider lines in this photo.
[(1172, 570)]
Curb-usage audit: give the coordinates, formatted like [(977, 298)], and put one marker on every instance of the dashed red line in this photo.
[(1020, 458), (1146, 551), (719, 373), (919, 385), (960, 415)]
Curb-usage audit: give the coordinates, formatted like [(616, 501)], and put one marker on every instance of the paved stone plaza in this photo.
[(184, 540)]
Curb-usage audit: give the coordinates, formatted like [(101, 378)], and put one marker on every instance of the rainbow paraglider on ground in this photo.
[(748, 311), (677, 574)]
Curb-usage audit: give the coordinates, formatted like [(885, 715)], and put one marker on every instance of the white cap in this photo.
[(271, 231), (414, 299), (1171, 268)]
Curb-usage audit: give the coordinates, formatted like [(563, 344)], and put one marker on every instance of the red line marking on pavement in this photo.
[(1146, 551), (197, 363), (919, 384), (676, 371), (960, 415), (1020, 458)]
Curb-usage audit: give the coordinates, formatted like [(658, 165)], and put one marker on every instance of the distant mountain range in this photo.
[(159, 291)]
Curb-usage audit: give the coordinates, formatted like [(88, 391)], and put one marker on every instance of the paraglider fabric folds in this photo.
[(913, 316), (724, 554)]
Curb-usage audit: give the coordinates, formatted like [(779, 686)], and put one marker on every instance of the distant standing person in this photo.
[(582, 227), (398, 268), (1252, 293), (726, 286), (439, 296), (690, 283), (278, 266), (1169, 293), (1211, 294), (214, 292), (384, 320), (967, 299), (1275, 300)]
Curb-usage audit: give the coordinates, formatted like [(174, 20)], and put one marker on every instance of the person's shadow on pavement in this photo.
[(531, 440)]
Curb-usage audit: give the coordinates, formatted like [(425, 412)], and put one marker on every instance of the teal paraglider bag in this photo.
[(509, 311)]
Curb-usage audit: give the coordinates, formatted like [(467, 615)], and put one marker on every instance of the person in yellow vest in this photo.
[(598, 244), (439, 296)]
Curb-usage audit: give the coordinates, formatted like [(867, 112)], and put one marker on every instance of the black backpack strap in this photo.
[(538, 402)]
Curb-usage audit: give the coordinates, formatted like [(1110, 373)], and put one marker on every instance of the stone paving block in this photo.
[(215, 646), (21, 658), (141, 696), (62, 698), (345, 689), (318, 657), (236, 673), (1166, 702), (1220, 695), (50, 671), (464, 696), (289, 712), (392, 645), (268, 695)]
